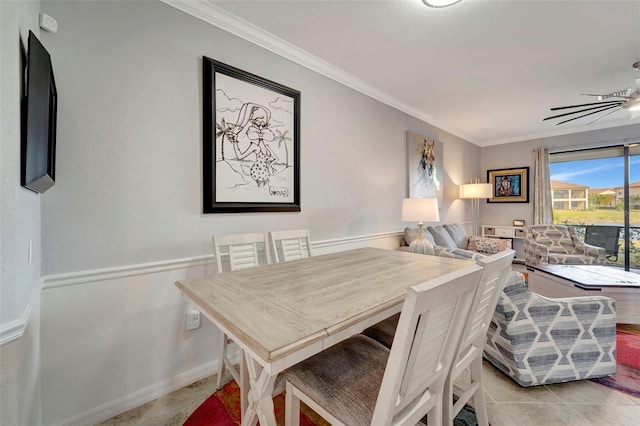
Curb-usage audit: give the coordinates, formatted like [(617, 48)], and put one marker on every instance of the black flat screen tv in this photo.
[(38, 120)]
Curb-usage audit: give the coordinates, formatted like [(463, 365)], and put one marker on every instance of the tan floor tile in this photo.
[(633, 399), (540, 414), (128, 417), (502, 389), (171, 409), (619, 415), (587, 392), (497, 416)]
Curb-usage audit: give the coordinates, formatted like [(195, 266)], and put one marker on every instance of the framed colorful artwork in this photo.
[(509, 185), (251, 142), (425, 167)]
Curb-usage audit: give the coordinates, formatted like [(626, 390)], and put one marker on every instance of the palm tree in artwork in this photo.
[(280, 138), (224, 129)]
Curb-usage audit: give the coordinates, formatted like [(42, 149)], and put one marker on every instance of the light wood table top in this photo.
[(277, 309), (283, 313)]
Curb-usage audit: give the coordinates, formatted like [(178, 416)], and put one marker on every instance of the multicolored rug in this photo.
[(627, 377), (223, 409)]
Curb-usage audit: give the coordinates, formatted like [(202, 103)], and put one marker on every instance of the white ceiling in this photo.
[(485, 70)]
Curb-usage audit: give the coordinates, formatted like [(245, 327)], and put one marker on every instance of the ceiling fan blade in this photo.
[(581, 105), (594, 112), (583, 110), (603, 116)]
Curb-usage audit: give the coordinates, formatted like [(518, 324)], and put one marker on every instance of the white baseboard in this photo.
[(141, 396)]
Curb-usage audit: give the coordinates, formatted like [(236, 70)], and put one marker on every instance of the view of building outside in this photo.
[(589, 194)]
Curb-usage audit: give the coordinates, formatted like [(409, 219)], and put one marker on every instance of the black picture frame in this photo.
[(509, 185), (251, 142)]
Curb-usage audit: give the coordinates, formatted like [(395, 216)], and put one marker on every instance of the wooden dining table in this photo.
[(280, 314)]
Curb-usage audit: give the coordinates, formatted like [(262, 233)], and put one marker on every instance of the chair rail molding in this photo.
[(106, 274), (14, 329)]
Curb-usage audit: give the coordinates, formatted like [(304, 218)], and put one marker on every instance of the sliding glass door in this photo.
[(598, 192)]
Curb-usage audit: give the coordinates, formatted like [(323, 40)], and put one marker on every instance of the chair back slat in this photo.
[(240, 251), (290, 244), (495, 270), (427, 337)]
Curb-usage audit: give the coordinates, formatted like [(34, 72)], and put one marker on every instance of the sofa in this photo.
[(533, 339), (452, 240)]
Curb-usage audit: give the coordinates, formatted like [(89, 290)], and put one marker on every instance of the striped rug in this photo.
[(223, 409), (627, 377)]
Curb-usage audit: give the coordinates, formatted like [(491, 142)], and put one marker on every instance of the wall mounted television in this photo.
[(38, 120)]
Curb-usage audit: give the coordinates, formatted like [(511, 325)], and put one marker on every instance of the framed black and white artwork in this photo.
[(251, 149)]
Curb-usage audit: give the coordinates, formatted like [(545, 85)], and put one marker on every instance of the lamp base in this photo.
[(420, 244)]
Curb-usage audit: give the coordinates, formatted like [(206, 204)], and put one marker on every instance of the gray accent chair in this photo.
[(537, 340), (559, 244)]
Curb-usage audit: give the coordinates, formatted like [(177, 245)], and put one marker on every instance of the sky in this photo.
[(600, 173)]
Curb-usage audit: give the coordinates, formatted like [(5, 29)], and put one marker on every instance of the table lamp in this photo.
[(419, 210), (475, 191)]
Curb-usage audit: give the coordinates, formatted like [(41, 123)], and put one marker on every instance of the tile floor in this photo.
[(574, 403)]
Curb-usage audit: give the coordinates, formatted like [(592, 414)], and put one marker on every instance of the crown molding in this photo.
[(226, 21)]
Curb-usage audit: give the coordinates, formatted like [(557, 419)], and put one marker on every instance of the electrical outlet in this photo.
[(193, 319)]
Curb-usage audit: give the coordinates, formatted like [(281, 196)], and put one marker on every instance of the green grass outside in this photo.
[(589, 217)]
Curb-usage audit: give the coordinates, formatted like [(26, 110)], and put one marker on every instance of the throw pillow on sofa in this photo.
[(488, 245), (458, 233), (441, 236)]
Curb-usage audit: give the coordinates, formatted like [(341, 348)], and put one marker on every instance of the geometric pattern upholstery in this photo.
[(558, 244), (537, 340)]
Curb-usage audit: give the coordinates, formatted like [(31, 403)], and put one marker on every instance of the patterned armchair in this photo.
[(537, 340), (558, 244)]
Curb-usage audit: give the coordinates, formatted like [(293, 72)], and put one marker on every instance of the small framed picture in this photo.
[(518, 222), (509, 185)]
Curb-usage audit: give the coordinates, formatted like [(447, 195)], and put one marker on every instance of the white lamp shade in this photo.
[(476, 190), (420, 210)]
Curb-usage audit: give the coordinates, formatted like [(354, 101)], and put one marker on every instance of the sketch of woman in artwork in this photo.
[(255, 119)]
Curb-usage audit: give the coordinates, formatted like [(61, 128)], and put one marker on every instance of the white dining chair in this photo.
[(360, 382), (495, 272), (290, 244), (235, 252)]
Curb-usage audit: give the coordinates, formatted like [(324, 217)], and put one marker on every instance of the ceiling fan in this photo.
[(628, 99)]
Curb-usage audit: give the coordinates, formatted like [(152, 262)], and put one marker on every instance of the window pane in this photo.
[(634, 207), (588, 192)]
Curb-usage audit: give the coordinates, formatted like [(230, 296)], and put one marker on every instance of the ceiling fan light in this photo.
[(634, 106), (440, 3)]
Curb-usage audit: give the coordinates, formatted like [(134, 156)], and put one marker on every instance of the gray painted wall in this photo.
[(20, 222), (129, 185), (129, 191), (502, 156)]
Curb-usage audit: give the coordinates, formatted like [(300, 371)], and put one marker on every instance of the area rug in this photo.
[(627, 377), (223, 409)]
